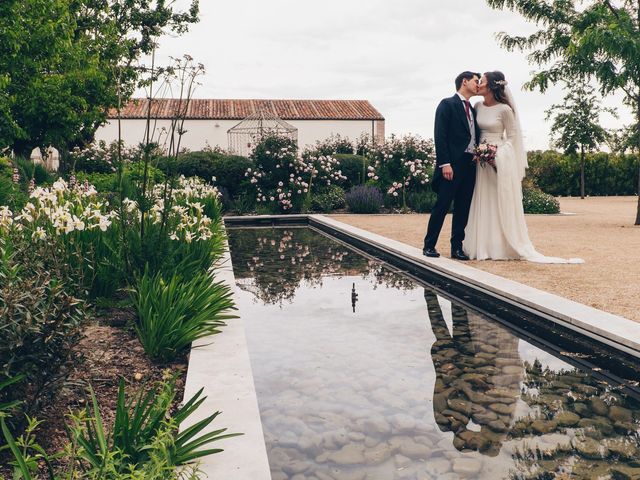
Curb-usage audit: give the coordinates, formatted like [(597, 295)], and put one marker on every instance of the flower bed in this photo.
[(66, 248)]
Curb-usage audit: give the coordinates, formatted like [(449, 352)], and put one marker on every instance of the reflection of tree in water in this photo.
[(272, 263), (554, 424)]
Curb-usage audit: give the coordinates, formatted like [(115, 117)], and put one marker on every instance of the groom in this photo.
[(456, 135)]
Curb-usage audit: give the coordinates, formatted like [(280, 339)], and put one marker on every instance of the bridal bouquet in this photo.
[(485, 153)]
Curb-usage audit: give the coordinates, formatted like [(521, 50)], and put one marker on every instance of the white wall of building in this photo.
[(199, 133)]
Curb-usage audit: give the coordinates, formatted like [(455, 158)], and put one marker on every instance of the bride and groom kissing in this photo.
[(488, 216)]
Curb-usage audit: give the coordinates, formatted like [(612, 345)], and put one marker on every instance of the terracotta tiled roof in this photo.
[(200, 108)]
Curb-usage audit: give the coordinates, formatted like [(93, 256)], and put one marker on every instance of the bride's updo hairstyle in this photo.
[(496, 84)]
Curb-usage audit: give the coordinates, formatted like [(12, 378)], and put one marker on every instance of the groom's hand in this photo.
[(447, 172)]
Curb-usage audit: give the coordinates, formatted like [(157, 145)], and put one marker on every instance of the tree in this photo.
[(576, 124), (65, 63), (599, 40)]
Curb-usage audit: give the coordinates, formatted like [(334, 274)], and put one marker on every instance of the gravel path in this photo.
[(600, 231)]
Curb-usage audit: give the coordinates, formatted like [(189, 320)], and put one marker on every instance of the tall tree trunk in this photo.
[(582, 172), (638, 210), (638, 149)]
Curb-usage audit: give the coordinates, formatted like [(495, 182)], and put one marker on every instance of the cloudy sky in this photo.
[(402, 56)]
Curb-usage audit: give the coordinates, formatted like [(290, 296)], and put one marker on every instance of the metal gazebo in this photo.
[(244, 136)]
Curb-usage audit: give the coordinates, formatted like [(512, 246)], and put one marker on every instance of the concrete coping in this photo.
[(220, 365)]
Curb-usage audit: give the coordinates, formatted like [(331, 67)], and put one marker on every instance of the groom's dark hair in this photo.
[(468, 75)]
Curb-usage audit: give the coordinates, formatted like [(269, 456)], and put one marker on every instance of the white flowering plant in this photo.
[(401, 165), (182, 227), (280, 179), (67, 225), (99, 157), (70, 224)]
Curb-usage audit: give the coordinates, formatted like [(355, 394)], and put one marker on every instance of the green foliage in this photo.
[(334, 145), (423, 201), (577, 40), (605, 173), (328, 199), (143, 444), (29, 170), (63, 73), (176, 311), (228, 170), (364, 199), (576, 124), (354, 167), (98, 157), (280, 180), (40, 323), (536, 201), (135, 172), (244, 203), (401, 165)]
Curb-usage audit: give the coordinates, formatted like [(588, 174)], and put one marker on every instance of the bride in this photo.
[(497, 229)]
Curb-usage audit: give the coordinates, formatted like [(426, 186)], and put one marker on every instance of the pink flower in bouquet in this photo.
[(485, 153)]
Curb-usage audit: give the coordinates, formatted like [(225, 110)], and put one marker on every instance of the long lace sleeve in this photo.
[(510, 126)]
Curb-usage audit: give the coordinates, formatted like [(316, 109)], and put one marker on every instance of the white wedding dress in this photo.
[(496, 228)]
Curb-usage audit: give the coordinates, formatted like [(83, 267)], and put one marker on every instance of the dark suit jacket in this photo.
[(451, 136)]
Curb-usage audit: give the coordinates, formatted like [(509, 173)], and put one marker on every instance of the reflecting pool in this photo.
[(362, 373)]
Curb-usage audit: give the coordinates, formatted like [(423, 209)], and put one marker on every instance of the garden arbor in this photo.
[(246, 134)]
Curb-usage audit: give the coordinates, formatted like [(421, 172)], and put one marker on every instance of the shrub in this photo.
[(98, 157), (536, 201), (244, 203), (364, 199), (175, 312), (143, 443), (228, 170), (354, 168), (280, 179), (328, 199), (423, 201), (135, 172), (40, 323), (401, 165), (605, 173), (29, 170), (333, 145)]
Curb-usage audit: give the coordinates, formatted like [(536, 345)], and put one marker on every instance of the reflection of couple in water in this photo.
[(478, 375)]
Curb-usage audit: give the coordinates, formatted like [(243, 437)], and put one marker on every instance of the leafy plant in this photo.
[(422, 202), (144, 442), (328, 199), (364, 199), (354, 168), (40, 323), (174, 312), (401, 165), (536, 201)]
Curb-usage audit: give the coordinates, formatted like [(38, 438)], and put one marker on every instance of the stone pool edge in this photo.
[(618, 332), (220, 365)]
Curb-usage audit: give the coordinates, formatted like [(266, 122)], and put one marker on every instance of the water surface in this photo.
[(403, 383)]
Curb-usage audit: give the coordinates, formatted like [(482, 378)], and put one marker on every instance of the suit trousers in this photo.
[(460, 192)]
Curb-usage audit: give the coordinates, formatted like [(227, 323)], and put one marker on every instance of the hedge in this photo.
[(605, 173)]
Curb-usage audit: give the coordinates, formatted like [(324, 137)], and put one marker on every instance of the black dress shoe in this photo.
[(459, 254), (430, 252)]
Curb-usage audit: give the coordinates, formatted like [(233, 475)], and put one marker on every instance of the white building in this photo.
[(207, 121)]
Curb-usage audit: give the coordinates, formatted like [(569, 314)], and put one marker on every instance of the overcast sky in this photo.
[(402, 56)]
